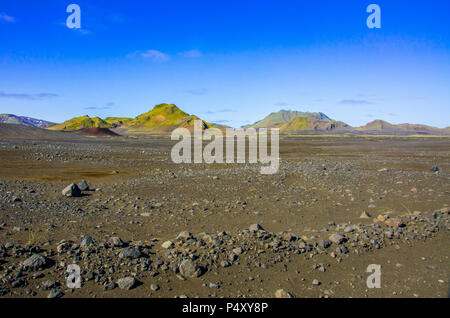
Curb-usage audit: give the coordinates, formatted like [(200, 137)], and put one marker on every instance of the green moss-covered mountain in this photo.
[(162, 118), (81, 123), (311, 123), (283, 116), (118, 121)]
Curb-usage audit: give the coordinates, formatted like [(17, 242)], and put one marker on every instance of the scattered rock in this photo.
[(167, 245), (337, 238), (130, 252), (87, 240), (255, 228), (127, 283), (364, 215), (55, 293), (281, 293), (37, 261), (394, 222), (189, 269), (116, 241), (72, 190), (83, 185)]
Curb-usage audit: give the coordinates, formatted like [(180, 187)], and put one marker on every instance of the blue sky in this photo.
[(230, 61)]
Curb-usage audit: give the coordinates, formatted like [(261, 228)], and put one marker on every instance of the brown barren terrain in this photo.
[(137, 194)]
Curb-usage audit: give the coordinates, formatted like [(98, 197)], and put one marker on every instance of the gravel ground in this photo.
[(145, 227)]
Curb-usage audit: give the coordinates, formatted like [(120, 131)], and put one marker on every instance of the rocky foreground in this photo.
[(139, 226)]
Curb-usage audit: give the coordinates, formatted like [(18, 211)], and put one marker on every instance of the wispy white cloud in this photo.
[(355, 102), (6, 18), (107, 106), (83, 31), (226, 110), (153, 55), (78, 30), (27, 95), (158, 56), (191, 54)]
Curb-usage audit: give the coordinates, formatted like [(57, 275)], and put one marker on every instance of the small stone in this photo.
[(394, 222), (83, 185), (324, 243), (337, 238), (184, 235), (167, 245), (55, 293), (364, 215), (255, 228), (63, 247), (37, 261), (281, 293), (87, 241), (237, 250), (49, 284), (116, 241), (72, 190), (224, 264), (110, 286), (130, 252), (189, 269), (127, 283), (154, 287)]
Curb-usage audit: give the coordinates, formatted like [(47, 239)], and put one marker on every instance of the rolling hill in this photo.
[(162, 118), (383, 126), (80, 123), (283, 116), (311, 123)]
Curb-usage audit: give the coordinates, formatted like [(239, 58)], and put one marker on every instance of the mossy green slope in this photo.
[(163, 117), (311, 123), (80, 123), (118, 121), (283, 116)]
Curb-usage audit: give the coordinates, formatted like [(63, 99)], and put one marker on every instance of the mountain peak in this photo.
[(284, 115), (81, 122), (23, 120), (161, 118)]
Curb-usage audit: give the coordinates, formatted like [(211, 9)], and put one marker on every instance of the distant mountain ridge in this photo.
[(285, 116), (384, 126), (311, 123), (167, 117), (23, 120), (162, 118)]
